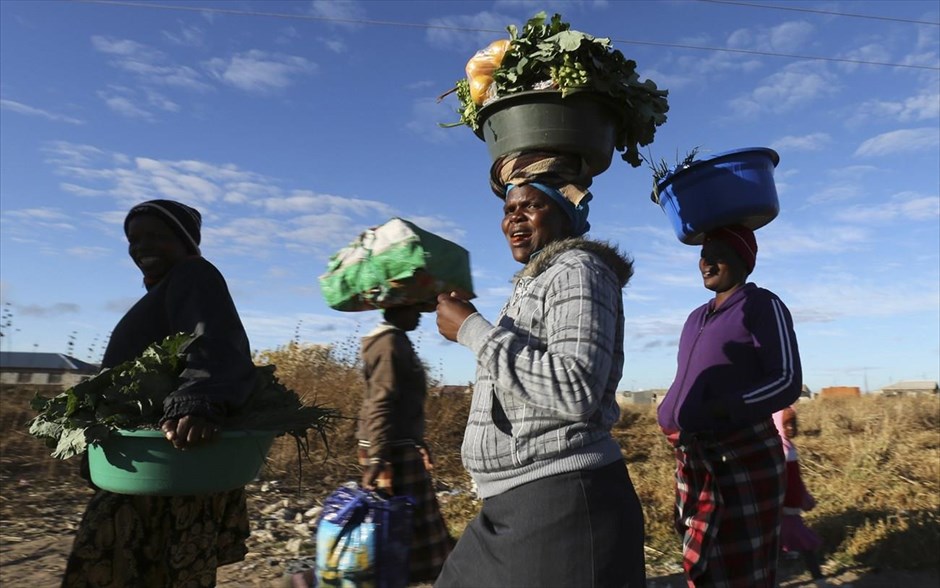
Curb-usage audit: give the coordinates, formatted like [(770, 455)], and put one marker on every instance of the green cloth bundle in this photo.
[(395, 264)]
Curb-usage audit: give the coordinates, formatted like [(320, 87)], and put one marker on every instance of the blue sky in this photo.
[(293, 126)]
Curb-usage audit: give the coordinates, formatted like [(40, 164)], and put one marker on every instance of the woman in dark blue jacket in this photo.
[(738, 363), (158, 541)]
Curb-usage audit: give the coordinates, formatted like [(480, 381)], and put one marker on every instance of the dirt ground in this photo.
[(38, 519)]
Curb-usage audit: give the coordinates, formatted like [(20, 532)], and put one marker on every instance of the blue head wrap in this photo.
[(576, 214)]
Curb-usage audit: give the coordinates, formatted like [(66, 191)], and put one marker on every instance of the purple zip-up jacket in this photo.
[(737, 365)]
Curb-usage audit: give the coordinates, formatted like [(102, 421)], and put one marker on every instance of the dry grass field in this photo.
[(873, 465)]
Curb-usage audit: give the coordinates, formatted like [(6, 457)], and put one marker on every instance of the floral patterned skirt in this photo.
[(157, 541)]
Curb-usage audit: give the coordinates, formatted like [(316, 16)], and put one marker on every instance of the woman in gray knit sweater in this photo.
[(559, 508)]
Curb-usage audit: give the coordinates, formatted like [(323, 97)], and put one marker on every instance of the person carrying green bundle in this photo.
[(392, 449)]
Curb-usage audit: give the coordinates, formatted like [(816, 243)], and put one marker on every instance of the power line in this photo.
[(773, 54), (362, 21), (815, 11)]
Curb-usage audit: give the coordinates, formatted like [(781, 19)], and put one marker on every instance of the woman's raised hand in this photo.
[(452, 311)]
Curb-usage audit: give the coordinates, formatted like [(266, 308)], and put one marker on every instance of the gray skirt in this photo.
[(579, 529)]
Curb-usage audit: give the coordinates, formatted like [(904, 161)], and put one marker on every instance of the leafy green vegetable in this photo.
[(662, 169), (548, 54), (130, 396), (469, 113)]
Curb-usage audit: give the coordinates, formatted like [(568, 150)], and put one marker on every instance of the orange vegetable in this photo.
[(481, 66), (478, 87)]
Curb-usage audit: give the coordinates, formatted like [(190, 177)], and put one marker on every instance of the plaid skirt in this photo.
[(157, 541), (430, 541), (729, 499)]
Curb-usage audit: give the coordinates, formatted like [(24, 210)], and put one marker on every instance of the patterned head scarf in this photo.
[(741, 239), (184, 220), (563, 177)]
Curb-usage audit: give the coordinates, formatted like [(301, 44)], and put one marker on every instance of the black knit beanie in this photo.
[(185, 221)]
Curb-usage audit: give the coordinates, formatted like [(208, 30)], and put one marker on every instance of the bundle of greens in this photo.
[(551, 56), (663, 169), (130, 396)]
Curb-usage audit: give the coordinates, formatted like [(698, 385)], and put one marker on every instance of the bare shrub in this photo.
[(872, 463)]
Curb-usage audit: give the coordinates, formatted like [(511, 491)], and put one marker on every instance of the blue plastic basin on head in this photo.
[(734, 187)]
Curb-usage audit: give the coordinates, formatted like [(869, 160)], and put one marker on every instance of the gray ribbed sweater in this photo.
[(547, 371)]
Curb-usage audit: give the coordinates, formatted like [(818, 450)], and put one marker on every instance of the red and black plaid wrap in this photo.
[(729, 498), (430, 541)]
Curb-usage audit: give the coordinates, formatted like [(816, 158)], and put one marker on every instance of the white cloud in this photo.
[(287, 35), (63, 153), (328, 229), (147, 63), (786, 37), (125, 48), (302, 201), (88, 252), (790, 36), (900, 141), (834, 193), (94, 172), (854, 295), (872, 52), (171, 182), (40, 215), (335, 45), (851, 172), (244, 235), (908, 206), (789, 239), (136, 104), (124, 105), (294, 220), (260, 71), (21, 108), (245, 191), (811, 142), (180, 76), (442, 227), (338, 11), (187, 35), (791, 88), (924, 106), (158, 100)]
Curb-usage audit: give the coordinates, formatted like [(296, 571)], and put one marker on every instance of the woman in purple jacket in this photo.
[(738, 363)]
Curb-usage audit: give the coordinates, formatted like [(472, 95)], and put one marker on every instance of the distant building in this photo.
[(26, 368), (910, 388), (654, 396), (840, 392), (806, 393)]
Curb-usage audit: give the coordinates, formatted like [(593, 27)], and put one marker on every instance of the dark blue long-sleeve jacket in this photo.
[(737, 365), (192, 298)]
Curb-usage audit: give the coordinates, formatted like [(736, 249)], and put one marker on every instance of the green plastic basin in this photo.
[(144, 462)]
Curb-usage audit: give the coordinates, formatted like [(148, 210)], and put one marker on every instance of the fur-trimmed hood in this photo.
[(619, 262)]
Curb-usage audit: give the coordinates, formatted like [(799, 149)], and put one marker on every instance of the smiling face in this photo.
[(153, 246), (532, 220), (722, 269)]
